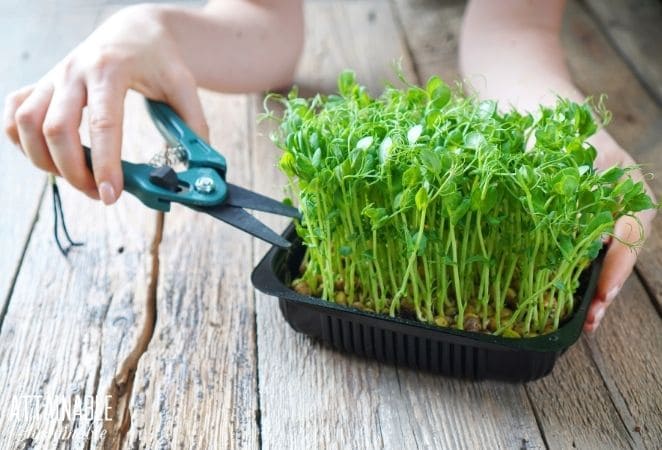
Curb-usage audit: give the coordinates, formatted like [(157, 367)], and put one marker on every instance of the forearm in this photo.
[(237, 46), (510, 51)]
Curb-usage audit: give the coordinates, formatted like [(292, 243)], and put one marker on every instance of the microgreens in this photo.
[(426, 203)]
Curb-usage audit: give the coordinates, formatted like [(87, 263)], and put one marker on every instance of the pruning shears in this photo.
[(202, 185)]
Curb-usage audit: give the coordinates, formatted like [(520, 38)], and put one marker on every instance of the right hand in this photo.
[(131, 50)]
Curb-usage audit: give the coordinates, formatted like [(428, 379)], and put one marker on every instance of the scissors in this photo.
[(202, 185)]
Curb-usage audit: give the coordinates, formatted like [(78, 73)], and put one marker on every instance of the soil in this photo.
[(472, 319)]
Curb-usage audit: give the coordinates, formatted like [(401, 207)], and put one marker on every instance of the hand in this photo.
[(620, 258), (131, 50)]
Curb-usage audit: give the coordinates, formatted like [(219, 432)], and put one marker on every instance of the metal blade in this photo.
[(241, 219), (243, 198)]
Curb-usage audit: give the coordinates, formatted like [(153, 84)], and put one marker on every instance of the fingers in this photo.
[(617, 267), (61, 132), (105, 101), (12, 102), (29, 120), (184, 99)]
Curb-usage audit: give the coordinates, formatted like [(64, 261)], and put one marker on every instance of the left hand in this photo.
[(620, 258)]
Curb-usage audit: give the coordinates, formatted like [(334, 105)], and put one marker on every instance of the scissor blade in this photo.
[(243, 198), (241, 219)]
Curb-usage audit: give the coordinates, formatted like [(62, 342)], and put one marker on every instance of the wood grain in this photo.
[(73, 324), (341, 401), (574, 407), (432, 31), (195, 386), (29, 51), (633, 28), (627, 350)]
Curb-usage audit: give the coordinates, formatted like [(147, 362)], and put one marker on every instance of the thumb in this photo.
[(185, 101), (616, 268)]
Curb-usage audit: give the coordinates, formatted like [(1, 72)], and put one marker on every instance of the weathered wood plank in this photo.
[(73, 325), (432, 32), (31, 50), (637, 120), (334, 399), (627, 349), (574, 408), (195, 386), (633, 28)]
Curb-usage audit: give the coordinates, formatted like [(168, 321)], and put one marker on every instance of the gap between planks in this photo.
[(251, 114), (12, 281), (122, 387)]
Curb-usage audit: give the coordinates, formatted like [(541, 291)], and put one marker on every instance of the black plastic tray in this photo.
[(413, 344)]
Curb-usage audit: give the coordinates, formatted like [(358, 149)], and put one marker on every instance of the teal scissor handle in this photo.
[(137, 182), (177, 133), (203, 163)]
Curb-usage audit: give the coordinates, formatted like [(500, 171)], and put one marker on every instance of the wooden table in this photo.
[(157, 315)]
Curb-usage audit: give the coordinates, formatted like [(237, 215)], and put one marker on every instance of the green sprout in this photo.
[(425, 203)]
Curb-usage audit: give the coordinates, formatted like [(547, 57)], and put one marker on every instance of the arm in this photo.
[(165, 52), (511, 52)]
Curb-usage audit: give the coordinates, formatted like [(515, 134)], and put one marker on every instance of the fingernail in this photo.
[(611, 295), (107, 193), (598, 316)]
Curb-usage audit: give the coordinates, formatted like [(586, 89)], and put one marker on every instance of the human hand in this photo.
[(621, 257), (131, 50)]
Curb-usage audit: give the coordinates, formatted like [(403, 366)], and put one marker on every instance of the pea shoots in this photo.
[(426, 203)]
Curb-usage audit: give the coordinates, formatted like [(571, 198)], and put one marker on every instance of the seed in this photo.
[(301, 287), (441, 321), (472, 323), (509, 333), (341, 298)]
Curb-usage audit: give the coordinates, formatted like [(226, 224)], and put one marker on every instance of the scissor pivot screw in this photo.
[(205, 185)]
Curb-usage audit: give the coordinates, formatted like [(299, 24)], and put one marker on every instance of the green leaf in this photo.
[(421, 198), (567, 185), (599, 221), (594, 249), (346, 83), (422, 243), (345, 250), (439, 92), (474, 140), (624, 187), (377, 216), (431, 159), (458, 213), (385, 149), (486, 109), (286, 164), (317, 158), (565, 243), (411, 177), (414, 133), (612, 175), (364, 143), (640, 202)]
